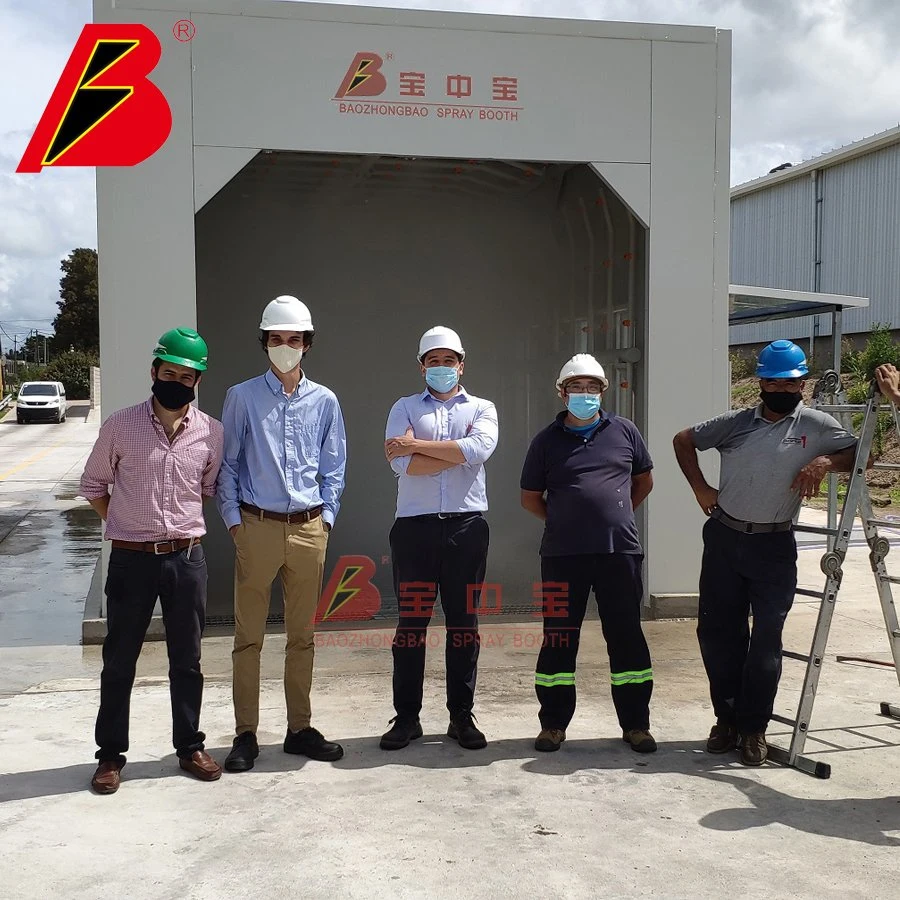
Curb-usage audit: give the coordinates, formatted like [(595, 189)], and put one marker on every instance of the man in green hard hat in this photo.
[(146, 476)]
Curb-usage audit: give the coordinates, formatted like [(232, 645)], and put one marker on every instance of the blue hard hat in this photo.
[(781, 359)]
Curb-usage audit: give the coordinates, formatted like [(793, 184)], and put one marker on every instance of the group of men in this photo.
[(276, 466)]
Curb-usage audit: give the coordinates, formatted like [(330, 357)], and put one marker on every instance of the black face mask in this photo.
[(780, 402), (172, 394)]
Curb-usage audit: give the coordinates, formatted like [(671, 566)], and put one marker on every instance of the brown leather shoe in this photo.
[(722, 737), (754, 750), (106, 779), (549, 739), (201, 765)]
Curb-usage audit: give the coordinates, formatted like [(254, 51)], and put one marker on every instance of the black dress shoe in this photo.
[(462, 728), (244, 751), (310, 742), (406, 729)]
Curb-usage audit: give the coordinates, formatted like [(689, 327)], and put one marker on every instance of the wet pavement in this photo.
[(49, 545)]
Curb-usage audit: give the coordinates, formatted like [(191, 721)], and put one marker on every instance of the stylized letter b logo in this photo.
[(364, 78), (104, 111)]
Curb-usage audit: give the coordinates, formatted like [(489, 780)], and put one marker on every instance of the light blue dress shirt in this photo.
[(283, 454), (469, 421)]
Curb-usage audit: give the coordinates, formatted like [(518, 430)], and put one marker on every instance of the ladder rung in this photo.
[(782, 720), (893, 579), (816, 529), (883, 523), (790, 654), (806, 592), (891, 467)]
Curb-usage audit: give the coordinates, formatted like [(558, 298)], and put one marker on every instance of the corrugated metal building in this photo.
[(830, 224)]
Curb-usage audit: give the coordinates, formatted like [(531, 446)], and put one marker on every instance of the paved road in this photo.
[(49, 539)]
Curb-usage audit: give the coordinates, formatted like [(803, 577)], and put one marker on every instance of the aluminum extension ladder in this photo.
[(857, 498)]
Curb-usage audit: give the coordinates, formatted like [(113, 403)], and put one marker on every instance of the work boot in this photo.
[(640, 739), (754, 750), (310, 742), (404, 730), (549, 739), (462, 728), (244, 751), (107, 777), (722, 737)]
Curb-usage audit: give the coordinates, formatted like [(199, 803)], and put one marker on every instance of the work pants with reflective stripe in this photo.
[(618, 586)]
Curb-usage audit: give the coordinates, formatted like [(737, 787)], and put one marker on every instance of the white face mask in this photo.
[(284, 357)]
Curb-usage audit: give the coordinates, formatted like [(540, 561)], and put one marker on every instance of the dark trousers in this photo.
[(134, 581), (431, 556), (618, 586), (744, 573)]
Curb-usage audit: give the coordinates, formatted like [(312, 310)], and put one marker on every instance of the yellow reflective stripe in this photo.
[(556, 680), (618, 678)]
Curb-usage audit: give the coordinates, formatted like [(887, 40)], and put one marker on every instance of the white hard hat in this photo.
[(286, 313), (582, 365), (440, 337)]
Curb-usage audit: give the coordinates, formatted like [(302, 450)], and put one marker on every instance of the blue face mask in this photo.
[(583, 406), (441, 378)]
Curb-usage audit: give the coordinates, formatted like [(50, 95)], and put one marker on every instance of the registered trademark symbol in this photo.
[(184, 30), (389, 54)]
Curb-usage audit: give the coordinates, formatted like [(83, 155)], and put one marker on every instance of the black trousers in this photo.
[(134, 581), (744, 573), (618, 586), (437, 556)]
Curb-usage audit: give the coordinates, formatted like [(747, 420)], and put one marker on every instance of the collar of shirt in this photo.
[(277, 387), (460, 394), (758, 413), (151, 412), (560, 421)]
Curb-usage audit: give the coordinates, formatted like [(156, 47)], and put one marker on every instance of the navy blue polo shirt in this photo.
[(588, 485)]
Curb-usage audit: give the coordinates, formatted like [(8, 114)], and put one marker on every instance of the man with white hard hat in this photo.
[(279, 494), (437, 442), (584, 475), (772, 456)]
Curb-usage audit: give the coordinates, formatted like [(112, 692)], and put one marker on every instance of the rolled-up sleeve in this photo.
[(228, 491), (478, 445), (397, 425), (333, 462), (100, 469), (214, 460)]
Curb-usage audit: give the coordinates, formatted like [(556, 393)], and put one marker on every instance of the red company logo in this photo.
[(451, 96), (103, 111), (350, 594), (364, 78)]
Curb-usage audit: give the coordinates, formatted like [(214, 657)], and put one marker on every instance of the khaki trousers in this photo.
[(265, 548)]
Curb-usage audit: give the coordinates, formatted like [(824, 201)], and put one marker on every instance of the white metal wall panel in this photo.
[(860, 243)]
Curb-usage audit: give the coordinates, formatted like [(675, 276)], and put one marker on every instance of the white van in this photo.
[(41, 401)]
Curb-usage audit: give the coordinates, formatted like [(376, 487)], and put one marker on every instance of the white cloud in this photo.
[(808, 76)]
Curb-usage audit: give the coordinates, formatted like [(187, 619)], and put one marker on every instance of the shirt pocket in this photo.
[(308, 440)]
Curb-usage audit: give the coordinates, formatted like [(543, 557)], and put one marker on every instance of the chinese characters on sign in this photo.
[(453, 96)]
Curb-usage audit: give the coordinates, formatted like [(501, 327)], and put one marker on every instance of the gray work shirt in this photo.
[(760, 459)]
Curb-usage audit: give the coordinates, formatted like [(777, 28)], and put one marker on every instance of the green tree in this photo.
[(77, 325), (74, 371)]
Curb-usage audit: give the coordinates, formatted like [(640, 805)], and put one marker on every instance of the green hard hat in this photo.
[(184, 347)]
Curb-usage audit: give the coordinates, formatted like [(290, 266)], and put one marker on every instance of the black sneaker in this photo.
[(462, 728), (244, 750), (310, 742), (406, 729)]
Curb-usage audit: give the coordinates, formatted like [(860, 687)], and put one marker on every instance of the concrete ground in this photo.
[(433, 820)]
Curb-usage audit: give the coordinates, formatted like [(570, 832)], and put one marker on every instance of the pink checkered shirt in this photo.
[(157, 487)]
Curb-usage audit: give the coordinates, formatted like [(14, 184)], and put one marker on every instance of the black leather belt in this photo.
[(448, 515), (294, 518), (749, 527)]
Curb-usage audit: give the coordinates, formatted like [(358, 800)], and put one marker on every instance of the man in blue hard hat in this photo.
[(772, 457)]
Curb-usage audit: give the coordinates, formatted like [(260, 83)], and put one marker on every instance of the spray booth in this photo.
[(543, 187)]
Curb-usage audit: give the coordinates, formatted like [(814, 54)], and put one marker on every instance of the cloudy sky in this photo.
[(808, 76)]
